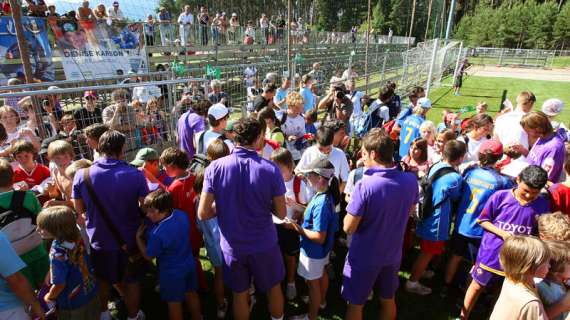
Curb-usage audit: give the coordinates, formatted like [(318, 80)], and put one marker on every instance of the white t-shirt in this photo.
[(509, 131), (185, 18), (209, 136), (336, 157), (472, 148), (293, 126), (303, 195), (383, 112), (356, 97)]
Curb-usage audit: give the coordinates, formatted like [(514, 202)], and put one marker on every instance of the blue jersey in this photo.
[(410, 131), (480, 184), (320, 216)]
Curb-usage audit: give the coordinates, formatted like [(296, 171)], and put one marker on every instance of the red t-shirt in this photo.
[(182, 190), (37, 176), (560, 198)]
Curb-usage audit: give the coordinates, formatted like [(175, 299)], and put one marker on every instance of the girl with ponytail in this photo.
[(317, 231), (73, 288)]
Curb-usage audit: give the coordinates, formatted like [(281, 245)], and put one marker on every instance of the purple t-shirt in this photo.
[(118, 186), (382, 199), (506, 213), (244, 185), (549, 154), (188, 124)]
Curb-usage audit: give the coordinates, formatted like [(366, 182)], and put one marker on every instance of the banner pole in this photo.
[(25, 57)]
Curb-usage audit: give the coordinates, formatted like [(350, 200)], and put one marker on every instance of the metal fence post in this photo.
[(432, 63), (501, 57), (383, 76)]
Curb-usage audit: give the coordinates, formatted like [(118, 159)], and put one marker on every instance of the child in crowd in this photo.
[(552, 289), (554, 226), (27, 244), (211, 230), (92, 134), (176, 163), (60, 154), (523, 258), (440, 140), (417, 158), (506, 213), (272, 126), (310, 120), (317, 232), (296, 199), (293, 125), (176, 265), (28, 174), (147, 160), (560, 193), (73, 287), (433, 230), (480, 182)]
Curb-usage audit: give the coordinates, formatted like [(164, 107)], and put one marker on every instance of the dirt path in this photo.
[(520, 73)]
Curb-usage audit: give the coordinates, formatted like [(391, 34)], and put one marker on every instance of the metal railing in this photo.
[(513, 57)]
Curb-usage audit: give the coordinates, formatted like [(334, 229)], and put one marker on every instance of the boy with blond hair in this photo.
[(554, 226)]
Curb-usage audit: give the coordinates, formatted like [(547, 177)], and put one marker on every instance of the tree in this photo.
[(561, 30)]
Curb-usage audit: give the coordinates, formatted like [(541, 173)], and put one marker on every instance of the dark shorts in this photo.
[(458, 82), (465, 247), (432, 247), (357, 284), (175, 288), (289, 241), (266, 268), (483, 276), (115, 266)]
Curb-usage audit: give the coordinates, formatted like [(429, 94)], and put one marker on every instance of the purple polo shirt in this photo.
[(505, 212), (118, 186), (549, 154), (244, 185), (382, 199), (188, 124)]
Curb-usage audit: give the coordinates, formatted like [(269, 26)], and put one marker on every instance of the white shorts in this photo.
[(311, 269), (15, 314)]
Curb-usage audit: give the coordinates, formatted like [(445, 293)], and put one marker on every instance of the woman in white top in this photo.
[(427, 131), (479, 130)]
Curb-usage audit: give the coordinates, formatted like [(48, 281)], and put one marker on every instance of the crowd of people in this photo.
[(274, 196)]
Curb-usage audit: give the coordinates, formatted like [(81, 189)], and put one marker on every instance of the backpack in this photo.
[(19, 225), (372, 120), (426, 205), (201, 149)]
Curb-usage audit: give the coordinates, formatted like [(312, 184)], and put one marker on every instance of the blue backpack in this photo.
[(371, 119)]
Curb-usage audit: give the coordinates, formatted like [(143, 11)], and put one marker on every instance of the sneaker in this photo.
[(428, 274), (370, 296), (222, 310), (305, 299), (323, 305), (417, 288), (291, 291)]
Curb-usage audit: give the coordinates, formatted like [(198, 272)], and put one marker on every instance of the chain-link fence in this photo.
[(513, 57), (145, 110)]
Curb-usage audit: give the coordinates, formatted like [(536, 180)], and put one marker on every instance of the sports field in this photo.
[(491, 89)]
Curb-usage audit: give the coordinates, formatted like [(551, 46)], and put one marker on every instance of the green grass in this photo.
[(488, 89)]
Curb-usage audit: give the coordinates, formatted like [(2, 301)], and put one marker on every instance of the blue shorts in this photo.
[(175, 288), (357, 284), (266, 268), (211, 232)]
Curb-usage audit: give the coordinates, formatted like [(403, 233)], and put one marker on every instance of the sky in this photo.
[(133, 9)]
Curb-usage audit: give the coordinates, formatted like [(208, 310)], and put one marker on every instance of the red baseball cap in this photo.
[(90, 93), (491, 146)]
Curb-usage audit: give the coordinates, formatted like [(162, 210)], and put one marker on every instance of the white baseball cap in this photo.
[(424, 103), (53, 88), (218, 111), (552, 107)]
